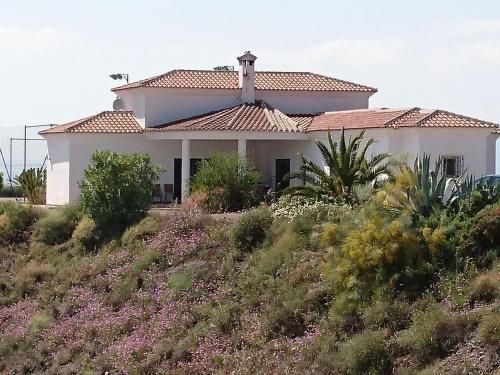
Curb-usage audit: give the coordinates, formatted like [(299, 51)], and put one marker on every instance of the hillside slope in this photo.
[(174, 295)]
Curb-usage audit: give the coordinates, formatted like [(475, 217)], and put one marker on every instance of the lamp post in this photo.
[(118, 76)]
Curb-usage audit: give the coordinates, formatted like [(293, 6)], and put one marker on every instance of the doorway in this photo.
[(194, 165), (282, 169)]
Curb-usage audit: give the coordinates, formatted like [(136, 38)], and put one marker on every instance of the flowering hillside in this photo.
[(188, 294)]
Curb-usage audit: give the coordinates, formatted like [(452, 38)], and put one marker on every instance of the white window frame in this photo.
[(459, 165)]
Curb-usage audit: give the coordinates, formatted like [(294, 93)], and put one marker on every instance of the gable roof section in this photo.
[(261, 117), (258, 116), (394, 118), (216, 79), (104, 122)]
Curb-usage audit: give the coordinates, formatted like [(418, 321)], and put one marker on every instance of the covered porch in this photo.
[(272, 154)]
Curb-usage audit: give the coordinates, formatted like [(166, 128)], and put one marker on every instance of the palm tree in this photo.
[(346, 166)]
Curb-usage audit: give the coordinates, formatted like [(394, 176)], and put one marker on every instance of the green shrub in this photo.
[(116, 189), (489, 330), (33, 183), (485, 288), (16, 221), (225, 316), (39, 322), (227, 180), (250, 230), (488, 226), (395, 315), (182, 278), (290, 207), (57, 226), (148, 226), (366, 353), (85, 234), (434, 334), (378, 250)]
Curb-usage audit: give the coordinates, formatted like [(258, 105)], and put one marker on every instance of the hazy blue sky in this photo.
[(55, 56)]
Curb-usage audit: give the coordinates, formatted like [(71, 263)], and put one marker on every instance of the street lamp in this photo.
[(118, 76)]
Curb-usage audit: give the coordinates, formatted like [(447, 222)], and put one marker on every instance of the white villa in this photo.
[(183, 116)]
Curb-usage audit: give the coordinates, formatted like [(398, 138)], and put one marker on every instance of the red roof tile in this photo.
[(262, 117), (104, 122), (216, 79), (246, 117), (394, 118)]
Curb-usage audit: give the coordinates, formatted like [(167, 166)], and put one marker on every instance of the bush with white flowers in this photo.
[(289, 207)]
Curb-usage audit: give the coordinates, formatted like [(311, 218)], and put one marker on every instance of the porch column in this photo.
[(186, 162), (242, 148)]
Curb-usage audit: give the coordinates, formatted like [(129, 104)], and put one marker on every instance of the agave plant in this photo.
[(346, 166), (33, 183), (420, 189)]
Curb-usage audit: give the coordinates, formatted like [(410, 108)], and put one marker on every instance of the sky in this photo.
[(56, 55)]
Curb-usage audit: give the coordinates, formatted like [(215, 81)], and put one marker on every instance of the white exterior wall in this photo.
[(58, 169), (157, 106), (294, 102), (135, 100), (165, 105), (69, 154), (477, 146)]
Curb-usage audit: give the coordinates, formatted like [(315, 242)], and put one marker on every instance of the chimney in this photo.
[(247, 77)]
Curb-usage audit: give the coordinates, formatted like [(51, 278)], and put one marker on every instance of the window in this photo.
[(453, 166)]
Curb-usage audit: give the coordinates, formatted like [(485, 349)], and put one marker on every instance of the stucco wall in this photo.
[(156, 106), (294, 102), (58, 170), (477, 146), (69, 154), (165, 105)]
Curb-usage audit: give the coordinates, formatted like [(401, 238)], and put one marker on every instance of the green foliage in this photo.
[(290, 207), (419, 190), (395, 315), (227, 180), (434, 334), (225, 316), (379, 250), (39, 322), (489, 329), (250, 230), (147, 227), (366, 353), (453, 285), (33, 183), (347, 167), (16, 221), (116, 189), (58, 225), (86, 234), (485, 288)]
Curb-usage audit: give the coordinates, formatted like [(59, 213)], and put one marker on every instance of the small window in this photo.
[(453, 166)]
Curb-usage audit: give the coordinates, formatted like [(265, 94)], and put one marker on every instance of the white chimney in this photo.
[(247, 77)]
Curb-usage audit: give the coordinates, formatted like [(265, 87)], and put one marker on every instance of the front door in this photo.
[(282, 169), (194, 165), (177, 179)]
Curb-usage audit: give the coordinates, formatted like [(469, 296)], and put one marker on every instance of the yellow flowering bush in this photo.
[(376, 250)]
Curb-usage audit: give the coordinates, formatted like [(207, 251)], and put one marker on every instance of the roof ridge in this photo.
[(401, 116), (344, 81), (431, 114), (84, 121), (236, 116), (464, 117)]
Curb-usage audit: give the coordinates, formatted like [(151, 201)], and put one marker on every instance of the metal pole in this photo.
[(25, 127), (10, 162)]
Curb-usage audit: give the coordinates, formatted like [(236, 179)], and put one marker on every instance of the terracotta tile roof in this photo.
[(104, 122), (215, 79), (262, 117), (246, 117), (394, 118)]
